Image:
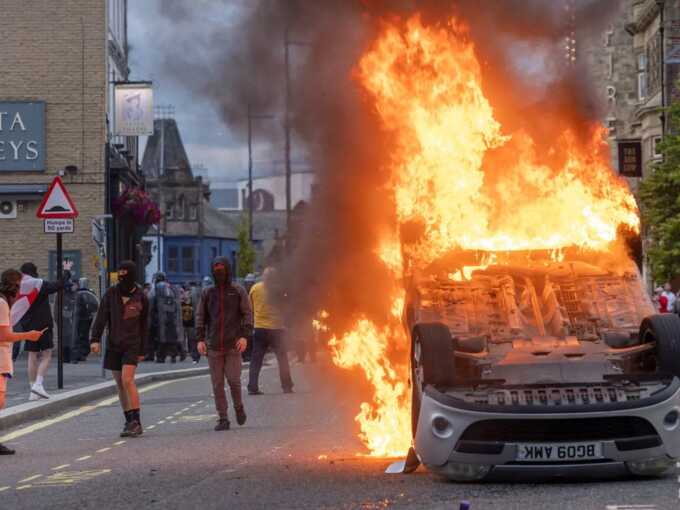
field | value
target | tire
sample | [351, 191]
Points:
[436, 353]
[664, 329]
[431, 363]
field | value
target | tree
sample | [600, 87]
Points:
[246, 256]
[660, 201]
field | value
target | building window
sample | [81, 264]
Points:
[187, 259]
[642, 77]
[193, 213]
[169, 211]
[656, 153]
[180, 208]
[173, 259]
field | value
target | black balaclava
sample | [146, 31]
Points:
[30, 269]
[221, 270]
[128, 282]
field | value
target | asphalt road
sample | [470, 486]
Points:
[77, 460]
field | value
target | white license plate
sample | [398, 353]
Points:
[558, 452]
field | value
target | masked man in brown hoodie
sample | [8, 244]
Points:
[124, 311]
[223, 323]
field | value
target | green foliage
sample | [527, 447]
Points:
[660, 200]
[246, 256]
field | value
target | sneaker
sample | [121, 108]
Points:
[6, 451]
[241, 415]
[223, 424]
[135, 429]
[126, 430]
[39, 390]
[33, 397]
[194, 362]
[255, 392]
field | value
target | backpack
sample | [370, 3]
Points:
[187, 312]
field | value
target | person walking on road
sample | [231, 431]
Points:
[269, 332]
[167, 331]
[223, 323]
[32, 311]
[9, 288]
[124, 311]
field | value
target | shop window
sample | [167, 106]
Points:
[173, 259]
[188, 261]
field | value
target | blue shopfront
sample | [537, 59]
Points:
[187, 259]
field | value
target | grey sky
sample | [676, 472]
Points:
[153, 39]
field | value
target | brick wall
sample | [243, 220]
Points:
[55, 51]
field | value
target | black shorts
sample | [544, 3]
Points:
[114, 360]
[46, 342]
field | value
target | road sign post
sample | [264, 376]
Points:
[58, 212]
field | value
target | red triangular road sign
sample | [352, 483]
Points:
[57, 202]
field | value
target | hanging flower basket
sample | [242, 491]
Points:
[135, 206]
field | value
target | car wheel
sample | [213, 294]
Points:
[664, 329]
[433, 354]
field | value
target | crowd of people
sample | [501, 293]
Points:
[665, 300]
[223, 320]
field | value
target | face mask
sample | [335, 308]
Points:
[127, 280]
[220, 274]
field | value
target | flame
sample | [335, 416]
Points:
[464, 184]
[385, 421]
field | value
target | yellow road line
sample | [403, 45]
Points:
[151, 427]
[84, 457]
[118, 443]
[29, 479]
[3, 489]
[63, 466]
[77, 412]
[22, 487]
[102, 450]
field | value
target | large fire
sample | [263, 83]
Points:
[460, 182]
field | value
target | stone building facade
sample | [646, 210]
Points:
[64, 55]
[192, 232]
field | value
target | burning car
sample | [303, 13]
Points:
[541, 365]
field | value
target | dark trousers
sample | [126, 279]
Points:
[262, 340]
[225, 365]
[192, 343]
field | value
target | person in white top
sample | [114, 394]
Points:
[9, 287]
[670, 295]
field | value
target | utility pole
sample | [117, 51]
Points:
[161, 171]
[251, 116]
[250, 174]
[286, 124]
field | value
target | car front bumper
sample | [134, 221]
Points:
[442, 422]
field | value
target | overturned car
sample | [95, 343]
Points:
[541, 366]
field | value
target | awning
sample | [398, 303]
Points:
[23, 191]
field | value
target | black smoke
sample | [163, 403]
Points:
[333, 264]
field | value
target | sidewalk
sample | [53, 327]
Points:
[79, 376]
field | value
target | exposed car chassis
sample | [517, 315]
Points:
[557, 367]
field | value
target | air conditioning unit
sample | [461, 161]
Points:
[8, 209]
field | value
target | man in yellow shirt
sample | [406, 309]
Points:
[269, 332]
